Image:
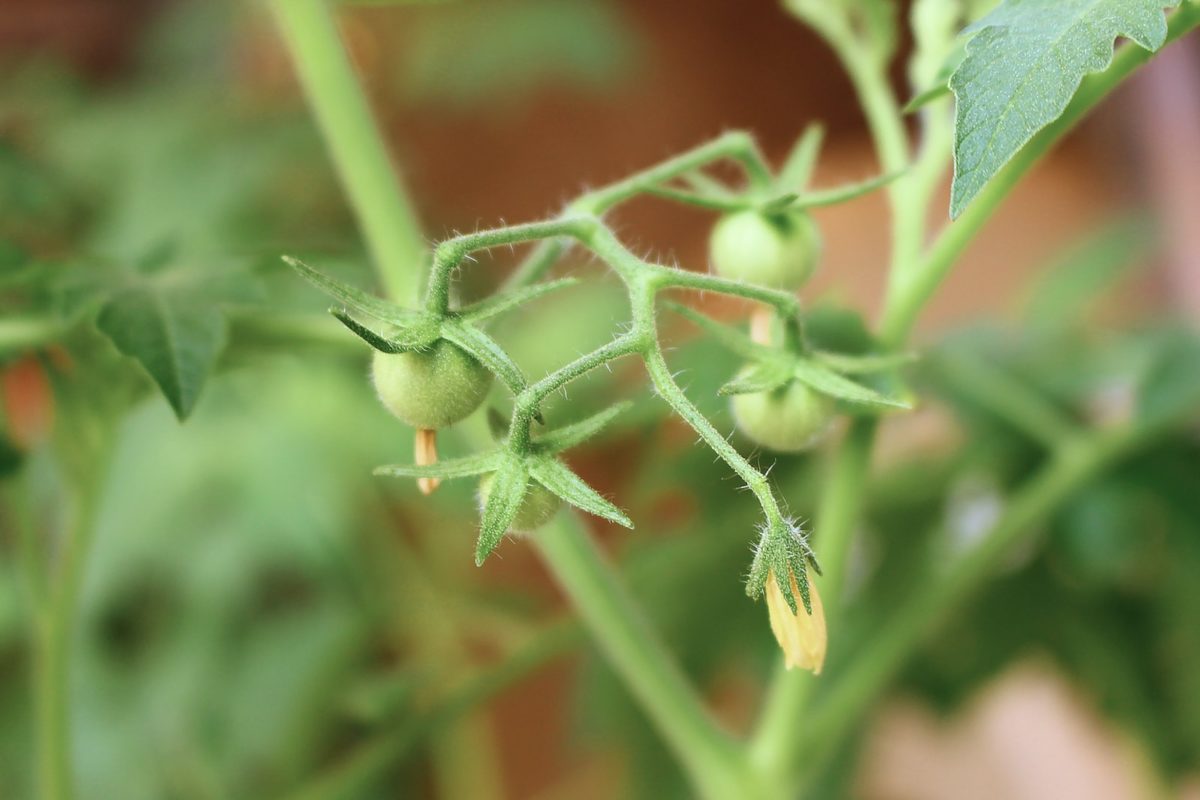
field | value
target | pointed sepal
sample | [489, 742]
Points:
[350, 296]
[559, 479]
[826, 381]
[732, 339]
[782, 550]
[506, 301]
[576, 434]
[765, 376]
[508, 487]
[464, 467]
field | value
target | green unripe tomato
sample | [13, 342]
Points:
[787, 420]
[431, 388]
[537, 507]
[779, 251]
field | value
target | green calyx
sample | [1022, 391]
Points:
[521, 489]
[782, 549]
[538, 505]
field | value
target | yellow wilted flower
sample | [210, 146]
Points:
[801, 635]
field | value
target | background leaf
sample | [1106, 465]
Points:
[175, 338]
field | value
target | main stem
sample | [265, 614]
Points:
[368, 174]
[54, 630]
[710, 758]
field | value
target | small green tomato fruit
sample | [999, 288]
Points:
[787, 420]
[433, 388]
[537, 507]
[778, 251]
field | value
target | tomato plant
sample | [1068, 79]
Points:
[128, 269]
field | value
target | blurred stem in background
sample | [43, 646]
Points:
[370, 177]
[56, 568]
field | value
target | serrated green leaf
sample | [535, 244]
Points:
[826, 381]
[453, 468]
[560, 480]
[489, 353]
[766, 376]
[732, 339]
[351, 297]
[1022, 68]
[503, 502]
[570, 436]
[506, 301]
[172, 334]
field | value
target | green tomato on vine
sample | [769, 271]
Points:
[778, 250]
[430, 389]
[787, 420]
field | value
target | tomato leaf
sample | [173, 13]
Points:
[1022, 68]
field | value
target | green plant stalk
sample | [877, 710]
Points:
[735, 145]
[388, 218]
[1069, 469]
[711, 759]
[368, 174]
[54, 630]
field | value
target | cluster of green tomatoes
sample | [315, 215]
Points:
[435, 388]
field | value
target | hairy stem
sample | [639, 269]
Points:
[735, 145]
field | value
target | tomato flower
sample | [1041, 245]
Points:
[800, 633]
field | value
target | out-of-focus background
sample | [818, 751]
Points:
[261, 614]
